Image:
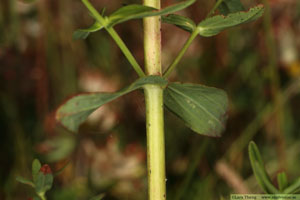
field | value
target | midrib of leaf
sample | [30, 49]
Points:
[210, 99]
[176, 100]
[92, 107]
[204, 109]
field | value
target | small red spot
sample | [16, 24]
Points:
[46, 169]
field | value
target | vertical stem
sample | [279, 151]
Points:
[152, 40]
[154, 107]
[42, 196]
[155, 143]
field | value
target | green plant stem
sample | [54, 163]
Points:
[152, 40]
[116, 38]
[155, 143]
[181, 53]
[154, 107]
[214, 8]
[42, 196]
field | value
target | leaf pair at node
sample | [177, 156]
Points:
[202, 108]
[134, 11]
[232, 10]
[213, 25]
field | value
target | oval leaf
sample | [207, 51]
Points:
[36, 166]
[230, 6]
[43, 183]
[84, 33]
[136, 11]
[214, 25]
[180, 21]
[72, 113]
[202, 108]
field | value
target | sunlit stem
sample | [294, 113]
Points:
[154, 107]
[155, 143]
[42, 196]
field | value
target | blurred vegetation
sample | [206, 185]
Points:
[258, 64]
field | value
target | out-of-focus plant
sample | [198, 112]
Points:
[263, 178]
[42, 179]
[202, 108]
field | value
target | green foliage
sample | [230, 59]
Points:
[214, 25]
[72, 113]
[36, 166]
[230, 6]
[43, 182]
[180, 21]
[264, 180]
[84, 33]
[42, 179]
[203, 115]
[293, 188]
[129, 12]
[282, 181]
[202, 108]
[24, 181]
[260, 173]
[139, 11]
[134, 11]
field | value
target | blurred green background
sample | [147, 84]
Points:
[258, 64]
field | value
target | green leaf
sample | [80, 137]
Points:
[293, 188]
[136, 11]
[180, 21]
[43, 182]
[84, 33]
[282, 181]
[271, 189]
[260, 173]
[202, 108]
[214, 25]
[230, 6]
[72, 113]
[36, 166]
[24, 181]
